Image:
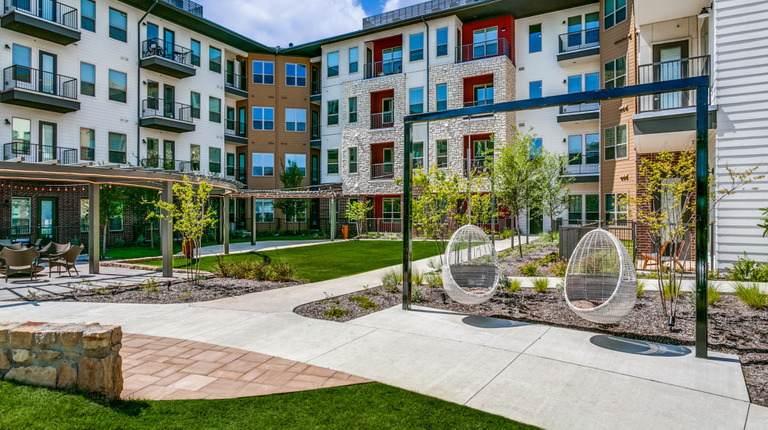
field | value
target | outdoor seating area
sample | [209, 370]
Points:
[18, 259]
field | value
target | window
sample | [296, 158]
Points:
[483, 94]
[392, 61]
[298, 160]
[87, 144]
[118, 84]
[416, 100]
[333, 112]
[264, 210]
[214, 59]
[194, 101]
[534, 38]
[591, 81]
[593, 207]
[214, 109]
[21, 215]
[230, 164]
[116, 148]
[333, 64]
[485, 42]
[263, 164]
[416, 45]
[352, 160]
[442, 96]
[353, 109]
[353, 60]
[263, 118]
[574, 150]
[118, 25]
[88, 15]
[418, 155]
[616, 142]
[442, 42]
[592, 142]
[616, 207]
[84, 211]
[194, 46]
[616, 73]
[442, 154]
[574, 84]
[116, 222]
[315, 125]
[574, 210]
[295, 75]
[535, 147]
[333, 161]
[534, 90]
[194, 157]
[153, 153]
[263, 72]
[214, 160]
[296, 120]
[615, 12]
[390, 209]
[87, 79]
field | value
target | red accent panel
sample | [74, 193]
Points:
[382, 44]
[507, 21]
[377, 97]
[474, 138]
[377, 151]
[469, 84]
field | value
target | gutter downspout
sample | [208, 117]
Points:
[426, 93]
[138, 84]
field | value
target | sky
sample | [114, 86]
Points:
[280, 22]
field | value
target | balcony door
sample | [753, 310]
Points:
[169, 39]
[574, 32]
[241, 121]
[47, 148]
[670, 64]
[153, 97]
[47, 9]
[169, 155]
[169, 99]
[387, 110]
[47, 221]
[21, 137]
[231, 119]
[388, 158]
[47, 73]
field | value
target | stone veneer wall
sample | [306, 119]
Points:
[62, 356]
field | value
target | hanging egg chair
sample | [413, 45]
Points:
[600, 282]
[471, 266]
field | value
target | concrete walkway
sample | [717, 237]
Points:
[551, 377]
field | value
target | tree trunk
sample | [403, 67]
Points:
[104, 241]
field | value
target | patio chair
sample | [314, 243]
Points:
[654, 257]
[683, 252]
[66, 260]
[53, 250]
[18, 246]
[19, 261]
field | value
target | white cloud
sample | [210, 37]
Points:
[280, 22]
[397, 4]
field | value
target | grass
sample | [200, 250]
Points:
[317, 263]
[128, 252]
[540, 285]
[371, 405]
[750, 294]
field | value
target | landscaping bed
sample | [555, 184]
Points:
[537, 260]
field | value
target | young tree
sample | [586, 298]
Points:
[553, 188]
[357, 211]
[111, 200]
[291, 178]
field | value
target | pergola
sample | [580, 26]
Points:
[98, 175]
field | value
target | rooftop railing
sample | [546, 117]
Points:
[187, 6]
[414, 11]
[27, 78]
[48, 10]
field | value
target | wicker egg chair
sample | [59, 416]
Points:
[471, 266]
[600, 282]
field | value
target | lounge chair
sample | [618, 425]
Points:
[66, 260]
[19, 261]
[654, 258]
[53, 250]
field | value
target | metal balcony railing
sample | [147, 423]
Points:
[382, 171]
[383, 68]
[167, 109]
[34, 153]
[236, 81]
[668, 70]
[580, 108]
[477, 164]
[382, 120]
[478, 103]
[169, 51]
[579, 40]
[26, 78]
[581, 169]
[478, 51]
[47, 10]
[234, 128]
[161, 163]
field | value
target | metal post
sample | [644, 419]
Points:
[702, 216]
[407, 221]
[94, 229]
[225, 217]
[332, 215]
[166, 233]
[253, 220]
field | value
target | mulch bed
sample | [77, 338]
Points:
[734, 328]
[165, 292]
[510, 261]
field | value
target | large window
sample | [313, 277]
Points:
[194, 101]
[87, 79]
[574, 150]
[230, 164]
[391, 60]
[353, 60]
[214, 109]
[194, 46]
[534, 90]
[263, 164]
[88, 15]
[333, 161]
[416, 100]
[615, 12]
[416, 45]
[118, 25]
[21, 215]
[442, 97]
[442, 42]
[194, 157]
[352, 160]
[117, 148]
[390, 209]
[592, 148]
[295, 75]
[352, 110]
[483, 94]
[118, 86]
[214, 160]
[87, 144]
[616, 207]
[534, 38]
[263, 118]
[575, 210]
[616, 142]
[615, 73]
[418, 155]
[591, 81]
[298, 160]
[263, 72]
[333, 112]
[442, 154]
[296, 120]
[214, 59]
[264, 210]
[333, 64]
[485, 42]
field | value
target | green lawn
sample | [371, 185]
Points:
[333, 260]
[358, 406]
[128, 252]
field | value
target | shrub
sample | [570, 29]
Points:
[392, 278]
[119, 242]
[530, 269]
[434, 279]
[668, 289]
[713, 293]
[253, 269]
[560, 286]
[418, 294]
[335, 312]
[363, 302]
[505, 234]
[746, 269]
[417, 278]
[640, 287]
[540, 285]
[750, 294]
[549, 258]
[558, 268]
[514, 285]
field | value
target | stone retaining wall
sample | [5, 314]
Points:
[62, 356]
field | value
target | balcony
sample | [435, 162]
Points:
[383, 68]
[235, 85]
[479, 51]
[474, 164]
[579, 112]
[382, 171]
[668, 70]
[170, 165]
[235, 133]
[166, 58]
[34, 153]
[24, 86]
[382, 120]
[52, 21]
[583, 173]
[579, 44]
[167, 116]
